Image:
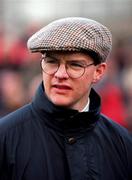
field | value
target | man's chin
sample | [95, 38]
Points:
[62, 104]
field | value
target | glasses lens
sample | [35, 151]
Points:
[49, 65]
[75, 73]
[75, 69]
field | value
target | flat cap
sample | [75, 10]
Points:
[72, 34]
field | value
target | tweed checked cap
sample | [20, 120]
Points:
[72, 34]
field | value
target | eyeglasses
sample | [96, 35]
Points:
[75, 69]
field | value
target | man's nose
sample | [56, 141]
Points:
[61, 72]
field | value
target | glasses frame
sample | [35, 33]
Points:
[83, 66]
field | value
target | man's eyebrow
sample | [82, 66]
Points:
[77, 60]
[48, 55]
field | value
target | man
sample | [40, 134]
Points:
[61, 134]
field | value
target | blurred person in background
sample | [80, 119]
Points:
[61, 134]
[20, 59]
[112, 96]
[126, 78]
[2, 48]
[127, 85]
[115, 88]
[33, 84]
[12, 91]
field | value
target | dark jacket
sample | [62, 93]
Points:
[41, 141]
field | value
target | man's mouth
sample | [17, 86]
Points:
[61, 87]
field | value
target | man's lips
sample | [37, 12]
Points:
[61, 87]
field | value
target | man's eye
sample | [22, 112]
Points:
[76, 64]
[50, 60]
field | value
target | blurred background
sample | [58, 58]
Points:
[20, 71]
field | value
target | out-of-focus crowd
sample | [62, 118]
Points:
[20, 75]
[19, 71]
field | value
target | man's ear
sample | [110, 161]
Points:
[99, 72]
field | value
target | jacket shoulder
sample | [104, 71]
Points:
[115, 134]
[111, 126]
[15, 118]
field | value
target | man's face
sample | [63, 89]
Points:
[66, 91]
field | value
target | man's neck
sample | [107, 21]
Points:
[86, 108]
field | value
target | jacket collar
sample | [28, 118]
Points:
[63, 119]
